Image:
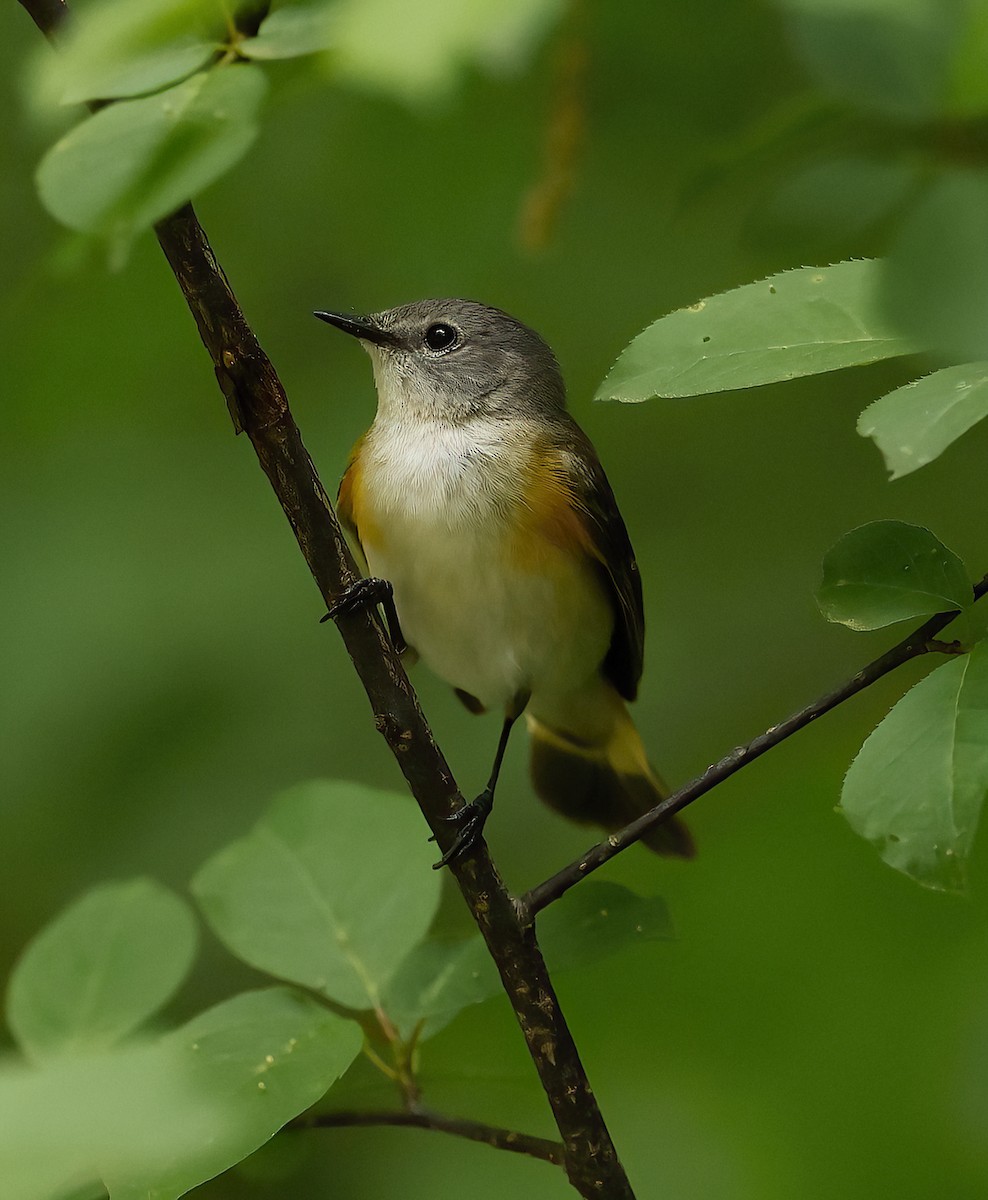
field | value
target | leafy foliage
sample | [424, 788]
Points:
[439, 979]
[115, 48]
[917, 786]
[132, 163]
[914, 789]
[915, 424]
[88, 979]
[345, 869]
[935, 282]
[162, 1116]
[332, 889]
[889, 571]
[127, 166]
[909, 59]
[291, 32]
[800, 322]
[329, 890]
[418, 51]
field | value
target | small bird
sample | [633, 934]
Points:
[493, 541]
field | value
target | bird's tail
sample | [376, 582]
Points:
[605, 781]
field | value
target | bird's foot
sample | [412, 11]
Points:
[470, 821]
[363, 593]
[368, 592]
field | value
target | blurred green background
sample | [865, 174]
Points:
[820, 1027]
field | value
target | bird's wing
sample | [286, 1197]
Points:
[606, 540]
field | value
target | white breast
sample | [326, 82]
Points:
[444, 498]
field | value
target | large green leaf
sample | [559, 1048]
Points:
[911, 59]
[118, 48]
[418, 50]
[134, 162]
[917, 785]
[439, 979]
[292, 31]
[154, 1121]
[101, 968]
[888, 571]
[801, 322]
[331, 889]
[915, 424]
[935, 281]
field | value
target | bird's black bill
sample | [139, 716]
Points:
[359, 327]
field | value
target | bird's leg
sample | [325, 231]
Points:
[366, 593]
[472, 817]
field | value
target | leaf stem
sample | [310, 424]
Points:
[920, 641]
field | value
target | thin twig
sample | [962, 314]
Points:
[259, 407]
[491, 1135]
[920, 641]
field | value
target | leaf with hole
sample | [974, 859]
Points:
[888, 571]
[331, 889]
[101, 968]
[918, 783]
[915, 424]
[801, 322]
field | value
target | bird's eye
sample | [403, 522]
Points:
[440, 336]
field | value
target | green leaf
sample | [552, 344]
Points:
[331, 889]
[101, 968]
[156, 1120]
[134, 162]
[418, 51]
[596, 920]
[291, 32]
[935, 282]
[844, 195]
[967, 83]
[439, 979]
[801, 322]
[915, 424]
[901, 58]
[116, 48]
[917, 785]
[889, 571]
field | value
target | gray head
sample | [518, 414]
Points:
[455, 359]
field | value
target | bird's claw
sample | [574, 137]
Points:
[470, 821]
[368, 592]
[362, 593]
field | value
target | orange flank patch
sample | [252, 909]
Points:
[550, 519]
[351, 502]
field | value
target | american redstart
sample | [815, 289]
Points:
[493, 539]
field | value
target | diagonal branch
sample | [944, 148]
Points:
[475, 1131]
[920, 641]
[257, 402]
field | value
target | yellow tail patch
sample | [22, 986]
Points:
[608, 784]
